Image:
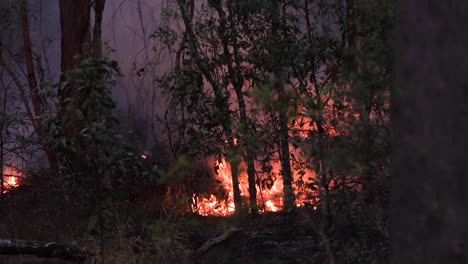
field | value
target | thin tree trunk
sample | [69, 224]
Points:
[28, 60]
[220, 102]
[235, 73]
[97, 38]
[286, 172]
[2, 127]
[363, 96]
[36, 115]
[29, 112]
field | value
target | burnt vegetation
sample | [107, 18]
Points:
[261, 134]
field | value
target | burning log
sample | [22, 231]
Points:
[216, 241]
[41, 249]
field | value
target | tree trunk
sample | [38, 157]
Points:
[36, 116]
[28, 60]
[429, 120]
[97, 38]
[235, 74]
[363, 97]
[286, 172]
[75, 24]
[220, 102]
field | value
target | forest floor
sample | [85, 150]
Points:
[135, 236]
[267, 238]
[289, 239]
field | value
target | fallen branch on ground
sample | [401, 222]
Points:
[215, 241]
[40, 249]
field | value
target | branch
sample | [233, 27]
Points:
[22, 94]
[215, 241]
[28, 59]
[41, 249]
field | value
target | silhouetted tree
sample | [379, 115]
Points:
[429, 161]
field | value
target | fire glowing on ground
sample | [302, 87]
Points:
[269, 189]
[11, 178]
[268, 198]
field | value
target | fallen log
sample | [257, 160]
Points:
[41, 249]
[215, 241]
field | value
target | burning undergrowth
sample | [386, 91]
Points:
[208, 187]
[209, 190]
[11, 179]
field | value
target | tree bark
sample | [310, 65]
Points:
[97, 38]
[233, 65]
[28, 60]
[36, 115]
[75, 24]
[429, 121]
[286, 172]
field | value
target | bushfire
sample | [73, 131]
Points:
[269, 198]
[10, 178]
[270, 190]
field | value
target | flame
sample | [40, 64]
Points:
[269, 198]
[10, 178]
[212, 205]
[270, 192]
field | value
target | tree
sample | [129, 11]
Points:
[220, 100]
[75, 25]
[33, 104]
[429, 217]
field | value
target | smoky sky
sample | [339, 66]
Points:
[126, 30]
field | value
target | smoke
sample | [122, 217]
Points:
[126, 30]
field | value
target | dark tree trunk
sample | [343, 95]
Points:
[97, 39]
[75, 24]
[286, 172]
[363, 96]
[430, 128]
[36, 116]
[233, 65]
[220, 102]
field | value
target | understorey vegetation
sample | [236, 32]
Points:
[272, 146]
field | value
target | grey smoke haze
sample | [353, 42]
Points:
[127, 27]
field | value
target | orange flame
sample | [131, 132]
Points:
[269, 198]
[10, 178]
